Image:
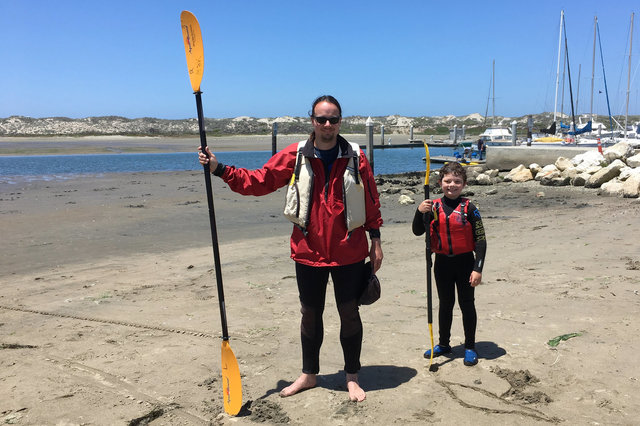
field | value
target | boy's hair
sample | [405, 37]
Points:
[453, 168]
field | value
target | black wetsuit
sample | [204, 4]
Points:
[453, 272]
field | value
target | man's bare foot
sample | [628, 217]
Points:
[305, 381]
[356, 393]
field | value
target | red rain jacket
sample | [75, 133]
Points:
[327, 242]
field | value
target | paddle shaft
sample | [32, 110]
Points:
[212, 219]
[428, 256]
[427, 228]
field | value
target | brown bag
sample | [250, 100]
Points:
[371, 285]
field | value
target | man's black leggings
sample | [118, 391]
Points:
[347, 287]
[453, 273]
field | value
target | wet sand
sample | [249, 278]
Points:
[109, 310]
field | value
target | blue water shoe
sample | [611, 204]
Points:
[470, 357]
[437, 351]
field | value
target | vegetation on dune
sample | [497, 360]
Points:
[393, 124]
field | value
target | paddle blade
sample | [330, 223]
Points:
[428, 163]
[231, 384]
[193, 48]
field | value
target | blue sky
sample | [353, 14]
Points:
[272, 58]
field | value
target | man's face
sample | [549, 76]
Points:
[326, 111]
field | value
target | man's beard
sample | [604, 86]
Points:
[326, 137]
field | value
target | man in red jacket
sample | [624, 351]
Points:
[324, 242]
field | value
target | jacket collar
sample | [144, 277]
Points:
[346, 151]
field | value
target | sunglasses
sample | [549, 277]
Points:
[323, 120]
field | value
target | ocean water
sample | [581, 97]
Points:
[53, 167]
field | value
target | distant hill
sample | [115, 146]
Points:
[393, 124]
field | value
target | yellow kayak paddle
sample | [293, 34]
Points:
[231, 384]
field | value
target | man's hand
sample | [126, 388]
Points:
[375, 254]
[207, 157]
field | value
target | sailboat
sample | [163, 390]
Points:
[566, 133]
[552, 130]
[613, 136]
[572, 130]
[629, 131]
[495, 135]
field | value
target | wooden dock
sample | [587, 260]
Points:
[418, 144]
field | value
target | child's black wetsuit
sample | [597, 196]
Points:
[453, 272]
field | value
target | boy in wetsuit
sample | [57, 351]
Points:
[456, 232]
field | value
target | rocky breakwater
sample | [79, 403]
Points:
[615, 172]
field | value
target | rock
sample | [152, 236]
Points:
[618, 151]
[631, 187]
[523, 175]
[540, 194]
[492, 173]
[492, 191]
[589, 159]
[563, 163]
[604, 175]
[570, 172]
[626, 172]
[519, 174]
[407, 191]
[546, 171]
[475, 170]
[555, 179]
[535, 168]
[405, 200]
[588, 169]
[580, 179]
[612, 188]
[484, 179]
[545, 177]
[633, 161]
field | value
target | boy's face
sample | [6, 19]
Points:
[452, 185]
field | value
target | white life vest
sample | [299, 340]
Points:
[298, 198]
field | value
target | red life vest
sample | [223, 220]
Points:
[451, 234]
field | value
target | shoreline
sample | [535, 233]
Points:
[62, 145]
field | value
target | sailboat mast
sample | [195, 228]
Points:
[578, 89]
[486, 109]
[493, 85]
[555, 104]
[626, 114]
[604, 76]
[564, 77]
[593, 65]
[566, 51]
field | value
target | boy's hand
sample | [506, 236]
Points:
[425, 206]
[475, 279]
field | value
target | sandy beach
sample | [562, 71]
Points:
[109, 312]
[116, 144]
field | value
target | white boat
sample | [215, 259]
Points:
[496, 136]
